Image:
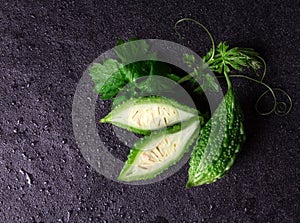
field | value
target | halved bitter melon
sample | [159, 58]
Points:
[219, 142]
[157, 152]
[145, 114]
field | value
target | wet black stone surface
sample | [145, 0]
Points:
[46, 46]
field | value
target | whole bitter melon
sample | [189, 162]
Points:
[218, 143]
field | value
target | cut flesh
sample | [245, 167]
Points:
[157, 152]
[149, 114]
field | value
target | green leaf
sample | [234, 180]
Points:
[199, 76]
[209, 83]
[160, 68]
[189, 60]
[226, 60]
[109, 77]
[208, 55]
[132, 50]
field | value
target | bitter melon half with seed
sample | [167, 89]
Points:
[157, 152]
[145, 114]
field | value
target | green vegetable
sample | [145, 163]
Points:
[173, 126]
[111, 76]
[145, 114]
[221, 137]
[219, 141]
[157, 152]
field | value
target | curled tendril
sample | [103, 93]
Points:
[203, 27]
[279, 108]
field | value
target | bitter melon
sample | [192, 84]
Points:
[157, 152]
[219, 141]
[145, 114]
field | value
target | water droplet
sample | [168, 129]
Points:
[47, 126]
[34, 123]
[49, 87]
[24, 155]
[28, 176]
[33, 143]
[15, 130]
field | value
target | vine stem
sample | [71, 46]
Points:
[203, 27]
[228, 80]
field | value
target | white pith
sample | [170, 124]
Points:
[161, 152]
[151, 116]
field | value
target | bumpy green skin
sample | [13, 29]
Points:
[145, 100]
[219, 142]
[141, 144]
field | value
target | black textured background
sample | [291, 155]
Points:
[46, 46]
